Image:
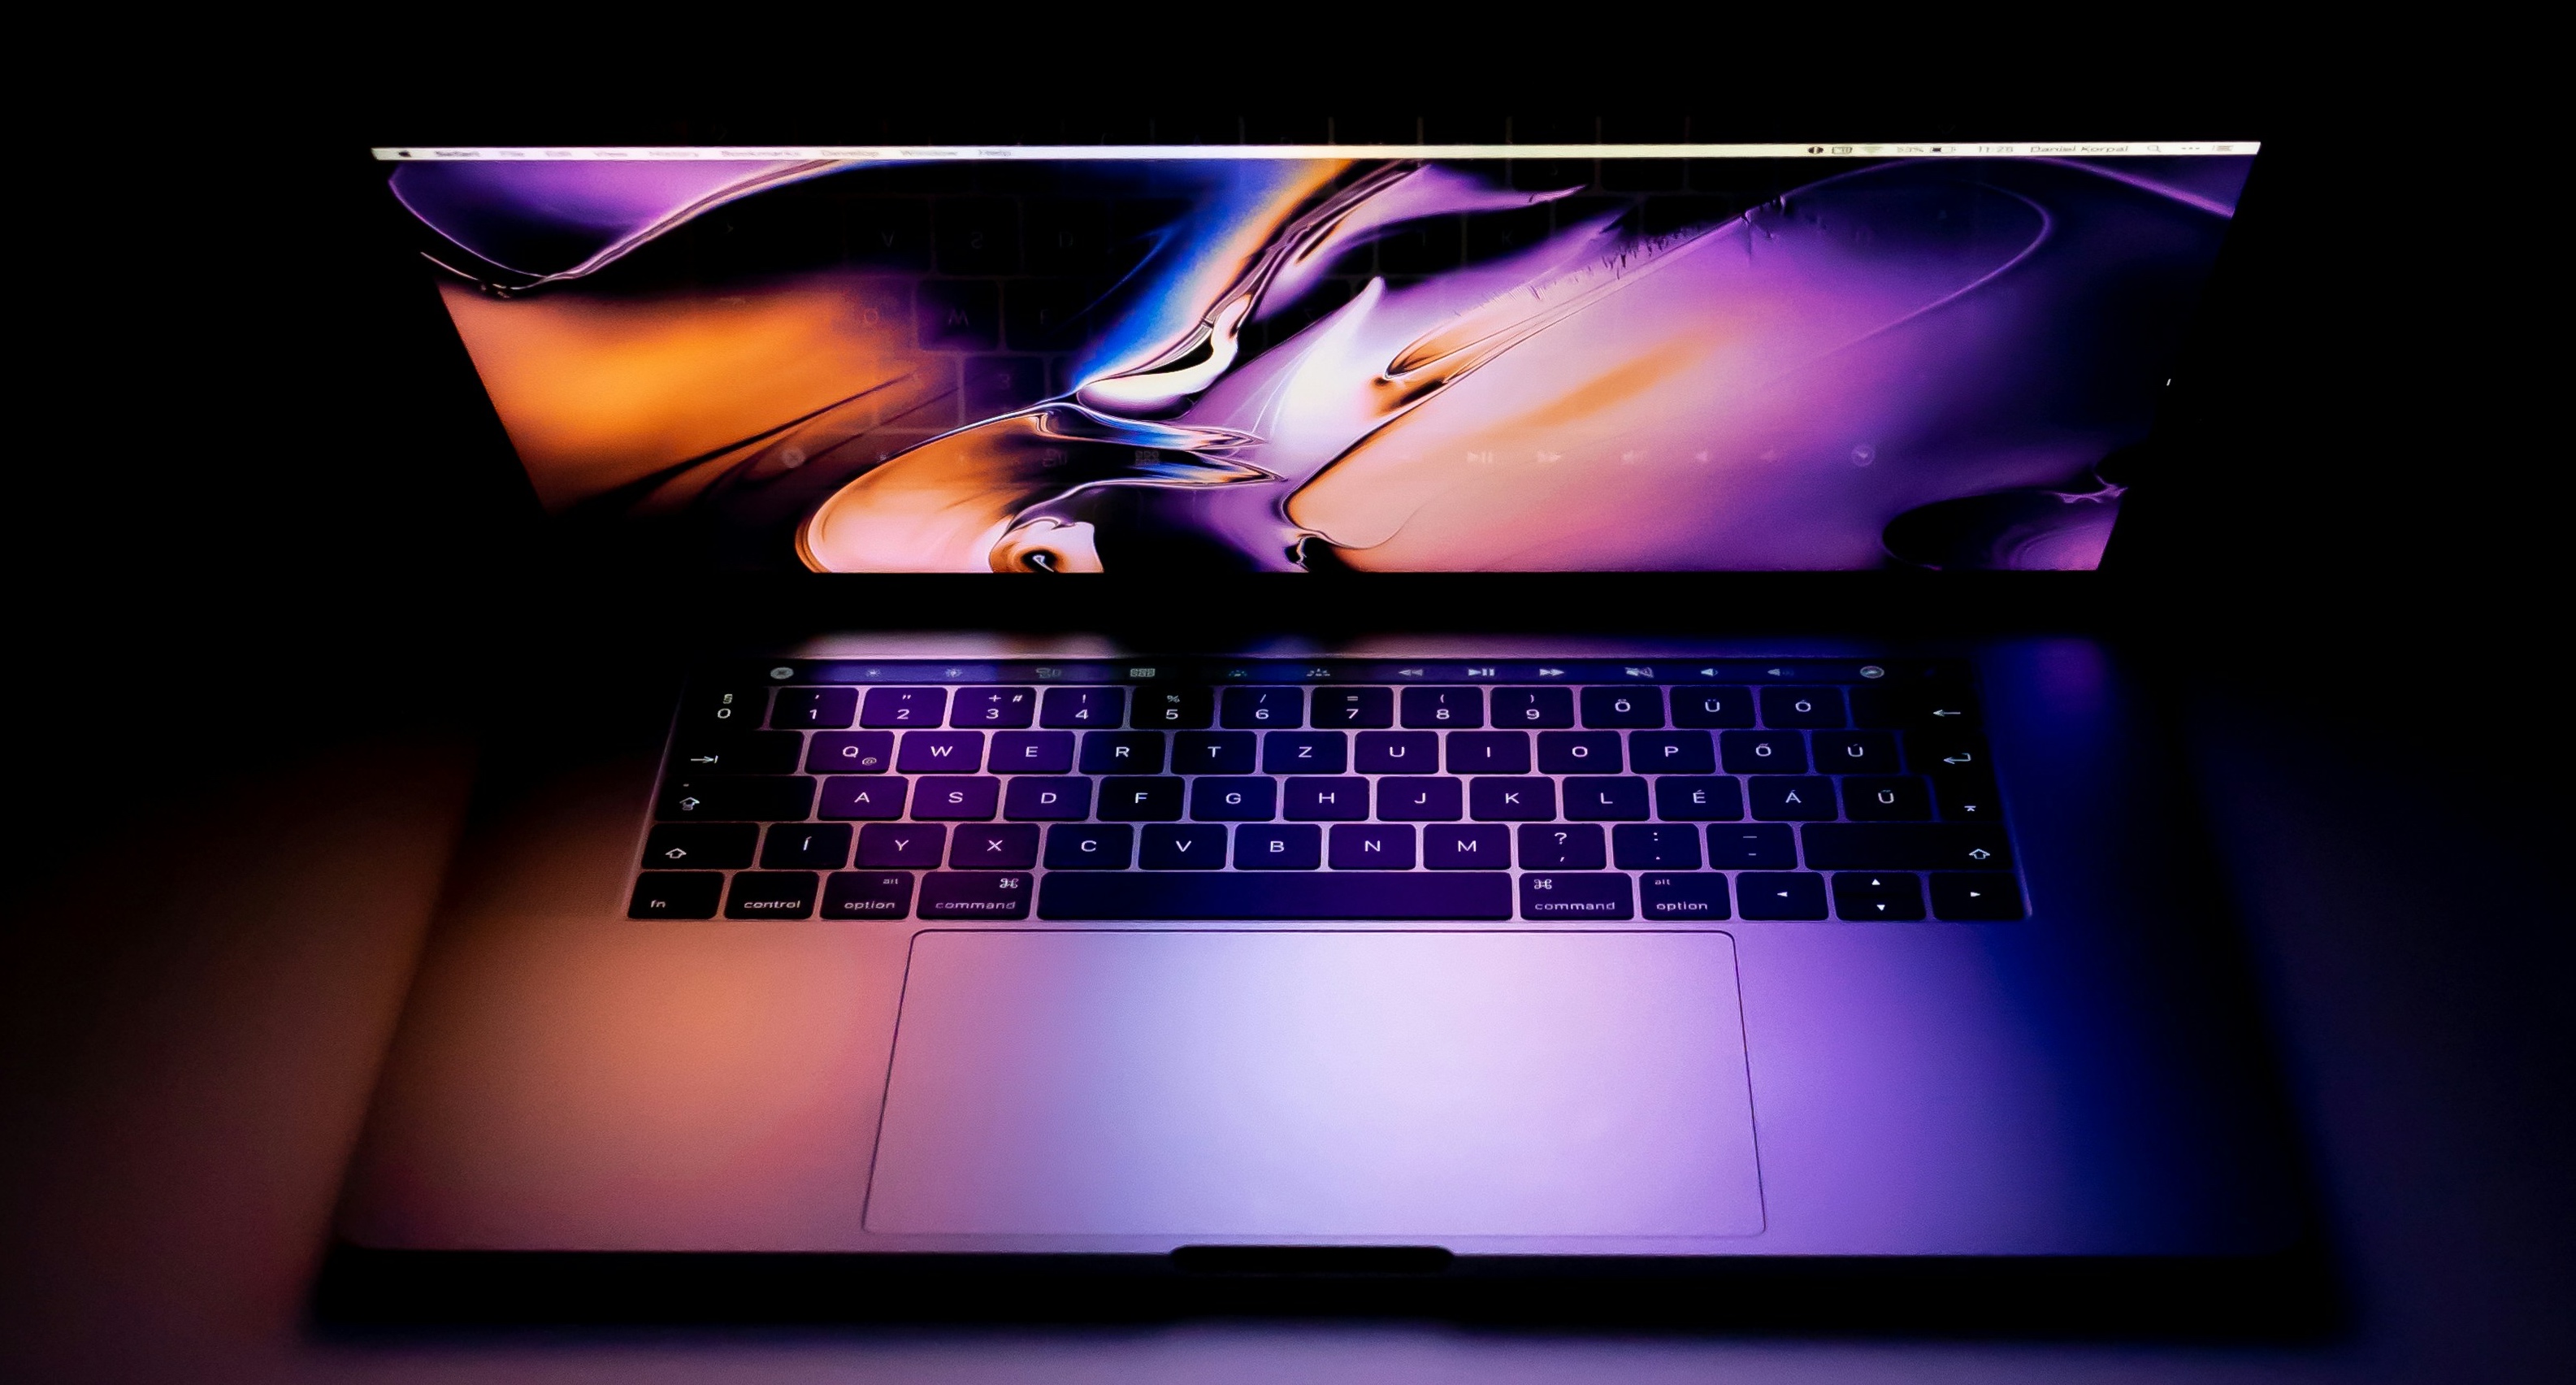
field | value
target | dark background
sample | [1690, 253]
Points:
[272, 573]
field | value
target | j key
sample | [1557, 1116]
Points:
[1871, 895]
[1578, 752]
[741, 752]
[1327, 800]
[1372, 846]
[1289, 846]
[1671, 752]
[1856, 752]
[1092, 846]
[1047, 799]
[1085, 709]
[806, 846]
[1637, 846]
[1170, 846]
[1534, 709]
[1140, 800]
[850, 752]
[1713, 799]
[700, 846]
[1226, 799]
[1032, 752]
[1760, 895]
[1487, 752]
[1122, 752]
[1354, 709]
[1946, 752]
[1191, 896]
[1602, 897]
[1907, 846]
[955, 796]
[1696, 896]
[1605, 800]
[868, 894]
[974, 894]
[1396, 752]
[914, 844]
[1487, 847]
[814, 709]
[1213, 752]
[1264, 709]
[1623, 708]
[994, 709]
[1763, 752]
[1304, 752]
[663, 894]
[1753, 846]
[1410, 798]
[723, 709]
[1869, 798]
[1511, 800]
[1562, 846]
[907, 707]
[1175, 709]
[765, 798]
[1805, 707]
[1002, 846]
[1791, 797]
[941, 752]
[1976, 897]
[758, 894]
[1444, 709]
[1967, 796]
[852, 797]
[1713, 707]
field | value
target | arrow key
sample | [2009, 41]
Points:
[1862, 895]
[700, 846]
[1976, 896]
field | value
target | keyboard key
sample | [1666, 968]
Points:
[1264, 709]
[1487, 752]
[974, 894]
[993, 709]
[1413, 799]
[846, 796]
[1175, 709]
[736, 708]
[1697, 896]
[1140, 800]
[867, 894]
[1372, 846]
[673, 894]
[1122, 752]
[1032, 752]
[849, 752]
[1605, 800]
[917, 845]
[1396, 752]
[1562, 846]
[700, 846]
[761, 894]
[1037, 799]
[1899, 798]
[1534, 709]
[1085, 709]
[1760, 895]
[941, 752]
[1931, 704]
[1467, 848]
[1225, 799]
[1976, 897]
[1289, 846]
[1623, 708]
[952, 797]
[1637, 846]
[1802, 707]
[1213, 752]
[1946, 752]
[1444, 709]
[806, 846]
[1967, 796]
[741, 752]
[1327, 800]
[1325, 895]
[1715, 799]
[814, 709]
[1091, 846]
[1304, 752]
[1711, 707]
[1671, 752]
[1602, 897]
[1763, 752]
[1907, 846]
[1354, 709]
[1511, 800]
[1579, 752]
[1860, 895]
[1857, 752]
[1170, 846]
[1755, 846]
[763, 798]
[1791, 797]
[1003, 846]
[907, 707]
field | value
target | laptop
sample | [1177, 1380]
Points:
[1632, 790]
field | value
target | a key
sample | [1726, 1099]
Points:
[1802, 707]
[1487, 752]
[1795, 895]
[1122, 752]
[1264, 709]
[675, 894]
[1763, 752]
[740, 752]
[1175, 709]
[909, 708]
[1578, 752]
[1179, 846]
[1623, 708]
[1621, 799]
[1083, 709]
[1856, 752]
[1326, 800]
[1468, 847]
[1047, 799]
[1494, 799]
[848, 796]
[1408, 798]
[1284, 846]
[762, 894]
[1214, 752]
[941, 752]
[1396, 752]
[1891, 798]
[1304, 752]
[806, 846]
[700, 846]
[868, 894]
[1354, 709]
[917, 845]
[1976, 897]
[996, 846]
[1715, 798]
[1713, 707]
[1090, 846]
[1140, 800]
[1230, 799]
[1138, 896]
[1372, 846]
[762, 798]
[1032, 752]
[1642, 846]
[1562, 846]
[1700, 895]
[1906, 846]
[1791, 797]
[1534, 709]
[975, 894]
[1753, 846]
[849, 752]
[993, 709]
[1558, 897]
[1861, 895]
[1444, 709]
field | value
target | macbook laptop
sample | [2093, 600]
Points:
[1610, 812]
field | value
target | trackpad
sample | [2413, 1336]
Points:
[1318, 1084]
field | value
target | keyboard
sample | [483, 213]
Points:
[1189, 790]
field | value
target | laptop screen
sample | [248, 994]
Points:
[1432, 358]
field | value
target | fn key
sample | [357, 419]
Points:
[676, 894]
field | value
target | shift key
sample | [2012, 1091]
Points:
[1906, 846]
[743, 798]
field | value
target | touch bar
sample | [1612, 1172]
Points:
[1153, 896]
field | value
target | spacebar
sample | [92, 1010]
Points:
[1146, 896]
